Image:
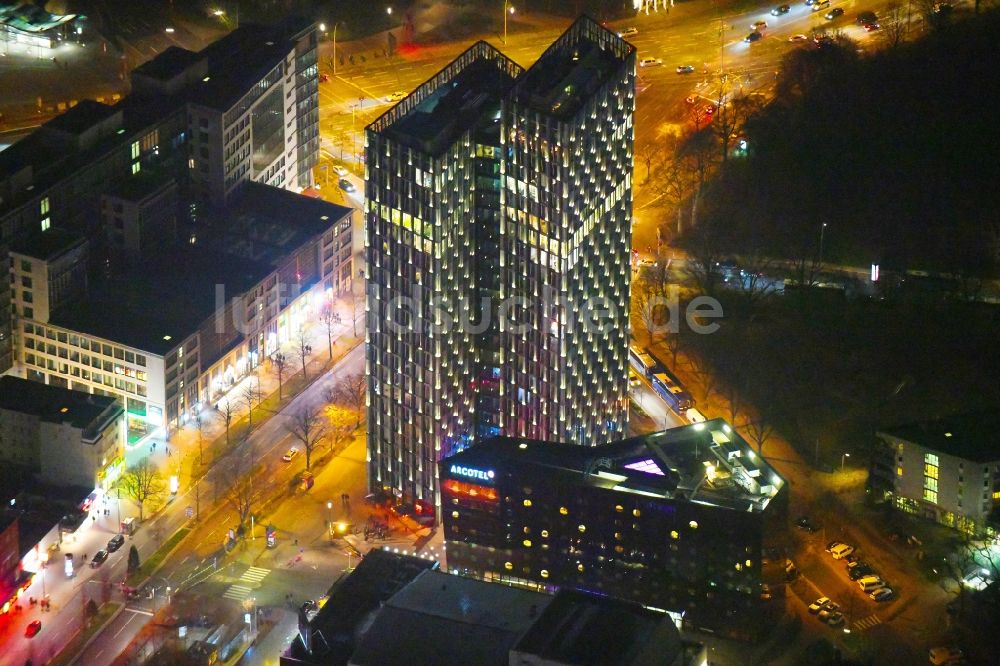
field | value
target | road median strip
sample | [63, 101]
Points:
[156, 560]
[106, 614]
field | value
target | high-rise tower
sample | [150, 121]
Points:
[498, 216]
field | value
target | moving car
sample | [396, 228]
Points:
[798, 38]
[323, 78]
[817, 5]
[685, 69]
[780, 9]
[871, 27]
[753, 37]
[759, 25]
[396, 96]
[650, 62]
[340, 170]
[33, 628]
[290, 454]
[634, 381]
[818, 605]
[866, 17]
[115, 542]
[628, 32]
[691, 99]
[834, 13]
[346, 185]
[99, 558]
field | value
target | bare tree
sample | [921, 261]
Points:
[351, 391]
[759, 430]
[302, 348]
[142, 483]
[894, 25]
[279, 364]
[309, 427]
[330, 319]
[340, 429]
[199, 423]
[237, 479]
[644, 305]
[250, 395]
[227, 418]
[671, 180]
[358, 301]
[647, 153]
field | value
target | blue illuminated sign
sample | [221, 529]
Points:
[473, 473]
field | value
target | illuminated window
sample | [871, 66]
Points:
[899, 471]
[674, 534]
[636, 513]
[564, 511]
[739, 567]
[618, 535]
[545, 573]
[619, 549]
[582, 528]
[527, 502]
[619, 508]
[454, 514]
[693, 524]
[579, 568]
[930, 495]
[526, 530]
[46, 223]
[508, 566]
[527, 543]
[748, 563]
[545, 534]
[43, 208]
[996, 494]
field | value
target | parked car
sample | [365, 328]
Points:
[882, 594]
[943, 655]
[780, 9]
[841, 551]
[753, 37]
[99, 558]
[834, 13]
[866, 17]
[340, 170]
[650, 62]
[860, 571]
[626, 32]
[396, 96]
[290, 454]
[693, 415]
[835, 619]
[32, 629]
[685, 69]
[833, 544]
[116, 542]
[818, 605]
[805, 524]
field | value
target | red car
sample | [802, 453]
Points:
[323, 78]
[32, 628]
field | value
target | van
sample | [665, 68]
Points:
[840, 551]
[694, 416]
[869, 583]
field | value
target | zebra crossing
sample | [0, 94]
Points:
[253, 576]
[867, 623]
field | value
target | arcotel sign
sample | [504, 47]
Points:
[473, 473]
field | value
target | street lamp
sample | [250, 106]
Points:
[507, 9]
[388, 10]
[323, 28]
[822, 234]
[842, 458]
[329, 517]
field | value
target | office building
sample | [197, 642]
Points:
[67, 438]
[245, 109]
[164, 341]
[946, 470]
[498, 221]
[676, 520]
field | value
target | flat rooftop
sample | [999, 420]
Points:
[160, 302]
[973, 436]
[577, 64]
[586, 629]
[708, 463]
[52, 404]
[445, 619]
[139, 186]
[47, 245]
[453, 101]
[168, 64]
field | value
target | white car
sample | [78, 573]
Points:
[841, 551]
[694, 416]
[650, 62]
[290, 454]
[628, 32]
[340, 170]
[396, 96]
[818, 605]
[798, 38]
[759, 25]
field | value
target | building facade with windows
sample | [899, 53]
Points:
[69, 438]
[946, 470]
[498, 217]
[165, 342]
[677, 520]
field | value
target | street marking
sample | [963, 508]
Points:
[237, 592]
[255, 574]
[139, 611]
[867, 623]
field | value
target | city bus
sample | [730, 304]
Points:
[672, 393]
[644, 364]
